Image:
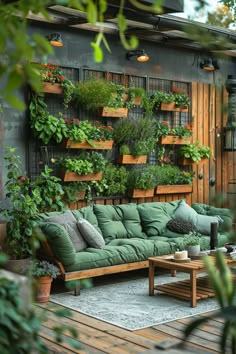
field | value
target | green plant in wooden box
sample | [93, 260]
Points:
[45, 126]
[96, 93]
[86, 162]
[195, 152]
[136, 134]
[72, 190]
[171, 175]
[141, 178]
[54, 74]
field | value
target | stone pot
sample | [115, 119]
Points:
[193, 250]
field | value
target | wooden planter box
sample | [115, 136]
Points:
[141, 193]
[171, 107]
[97, 145]
[73, 176]
[174, 189]
[171, 139]
[113, 112]
[133, 160]
[48, 87]
[185, 162]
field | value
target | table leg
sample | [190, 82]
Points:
[151, 278]
[193, 284]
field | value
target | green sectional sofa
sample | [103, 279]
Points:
[104, 239]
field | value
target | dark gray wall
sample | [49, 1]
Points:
[168, 63]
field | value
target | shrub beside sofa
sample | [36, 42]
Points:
[117, 238]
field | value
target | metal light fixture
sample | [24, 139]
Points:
[55, 39]
[209, 64]
[230, 129]
[139, 54]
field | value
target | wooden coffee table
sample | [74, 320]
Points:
[193, 288]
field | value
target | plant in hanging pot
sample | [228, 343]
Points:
[141, 183]
[194, 153]
[95, 94]
[136, 135]
[54, 74]
[43, 272]
[23, 199]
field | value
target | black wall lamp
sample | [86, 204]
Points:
[139, 54]
[230, 129]
[209, 64]
[55, 39]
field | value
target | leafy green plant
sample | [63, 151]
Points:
[135, 92]
[137, 134]
[141, 179]
[54, 74]
[195, 151]
[71, 191]
[95, 93]
[86, 162]
[170, 175]
[42, 268]
[221, 279]
[192, 238]
[182, 131]
[45, 126]
[24, 200]
[50, 190]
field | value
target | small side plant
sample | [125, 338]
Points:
[192, 238]
[43, 268]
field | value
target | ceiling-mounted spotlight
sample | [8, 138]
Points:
[55, 39]
[139, 54]
[209, 64]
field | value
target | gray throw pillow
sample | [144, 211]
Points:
[90, 234]
[201, 222]
[69, 222]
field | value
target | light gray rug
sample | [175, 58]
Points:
[128, 305]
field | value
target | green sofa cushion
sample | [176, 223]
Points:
[119, 251]
[154, 216]
[224, 213]
[59, 242]
[131, 220]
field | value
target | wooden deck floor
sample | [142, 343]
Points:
[99, 337]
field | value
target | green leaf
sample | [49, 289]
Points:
[98, 53]
[15, 102]
[15, 80]
[91, 12]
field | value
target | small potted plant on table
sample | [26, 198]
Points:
[192, 243]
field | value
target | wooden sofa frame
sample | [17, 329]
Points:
[89, 273]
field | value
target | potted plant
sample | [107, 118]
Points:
[86, 167]
[87, 135]
[74, 191]
[23, 199]
[45, 126]
[43, 272]
[167, 135]
[195, 152]
[136, 96]
[103, 96]
[192, 243]
[53, 75]
[141, 183]
[136, 138]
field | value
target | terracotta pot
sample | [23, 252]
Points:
[43, 288]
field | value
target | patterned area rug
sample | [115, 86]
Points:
[128, 305]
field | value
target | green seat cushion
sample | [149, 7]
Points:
[154, 216]
[59, 241]
[224, 213]
[119, 251]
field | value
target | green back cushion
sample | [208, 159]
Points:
[224, 213]
[154, 216]
[59, 242]
[88, 214]
[131, 220]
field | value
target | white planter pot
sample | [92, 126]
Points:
[193, 250]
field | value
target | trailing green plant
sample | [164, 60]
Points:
[141, 178]
[43, 268]
[23, 201]
[221, 279]
[50, 190]
[45, 126]
[54, 74]
[137, 134]
[195, 151]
